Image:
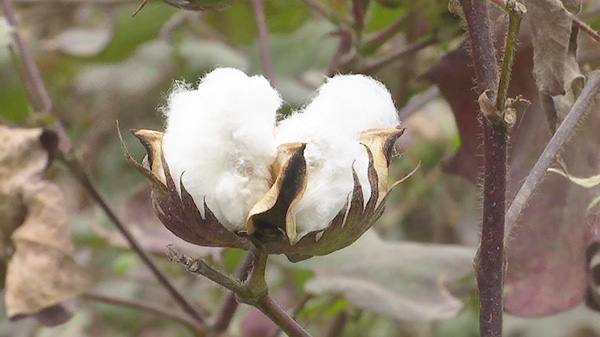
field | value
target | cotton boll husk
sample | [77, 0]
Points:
[219, 139]
[331, 125]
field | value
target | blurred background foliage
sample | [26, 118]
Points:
[100, 65]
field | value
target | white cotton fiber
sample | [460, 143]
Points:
[331, 125]
[220, 136]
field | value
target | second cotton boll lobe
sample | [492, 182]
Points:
[331, 125]
[219, 140]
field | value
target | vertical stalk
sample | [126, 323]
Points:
[263, 38]
[490, 260]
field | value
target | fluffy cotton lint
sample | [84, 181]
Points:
[219, 139]
[331, 125]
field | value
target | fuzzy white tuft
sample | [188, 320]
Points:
[331, 125]
[220, 140]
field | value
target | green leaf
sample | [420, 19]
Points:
[123, 263]
[131, 32]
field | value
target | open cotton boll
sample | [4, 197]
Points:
[331, 125]
[353, 103]
[220, 137]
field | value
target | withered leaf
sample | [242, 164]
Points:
[546, 270]
[41, 271]
[550, 25]
[400, 280]
[555, 67]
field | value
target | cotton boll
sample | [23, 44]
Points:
[219, 140]
[353, 103]
[331, 125]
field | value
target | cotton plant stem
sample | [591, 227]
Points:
[230, 304]
[403, 52]
[296, 311]
[490, 260]
[37, 92]
[509, 55]
[417, 102]
[197, 328]
[336, 328]
[34, 83]
[328, 13]
[84, 179]
[377, 39]
[286, 323]
[263, 38]
[199, 267]
[399, 54]
[586, 28]
[560, 137]
[252, 292]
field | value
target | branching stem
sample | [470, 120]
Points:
[230, 304]
[198, 329]
[490, 260]
[560, 137]
[252, 292]
[43, 104]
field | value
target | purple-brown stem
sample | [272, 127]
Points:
[184, 319]
[281, 318]
[489, 264]
[230, 304]
[586, 28]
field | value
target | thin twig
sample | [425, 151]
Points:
[328, 13]
[417, 102]
[296, 311]
[31, 76]
[359, 8]
[199, 267]
[230, 304]
[252, 292]
[85, 180]
[263, 38]
[30, 69]
[198, 329]
[336, 328]
[403, 52]
[509, 54]
[399, 54]
[281, 318]
[562, 134]
[382, 36]
[489, 263]
[585, 27]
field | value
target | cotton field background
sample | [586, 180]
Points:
[82, 251]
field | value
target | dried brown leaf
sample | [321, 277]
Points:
[551, 31]
[41, 271]
[546, 270]
[555, 67]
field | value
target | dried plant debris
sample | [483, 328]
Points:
[35, 244]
